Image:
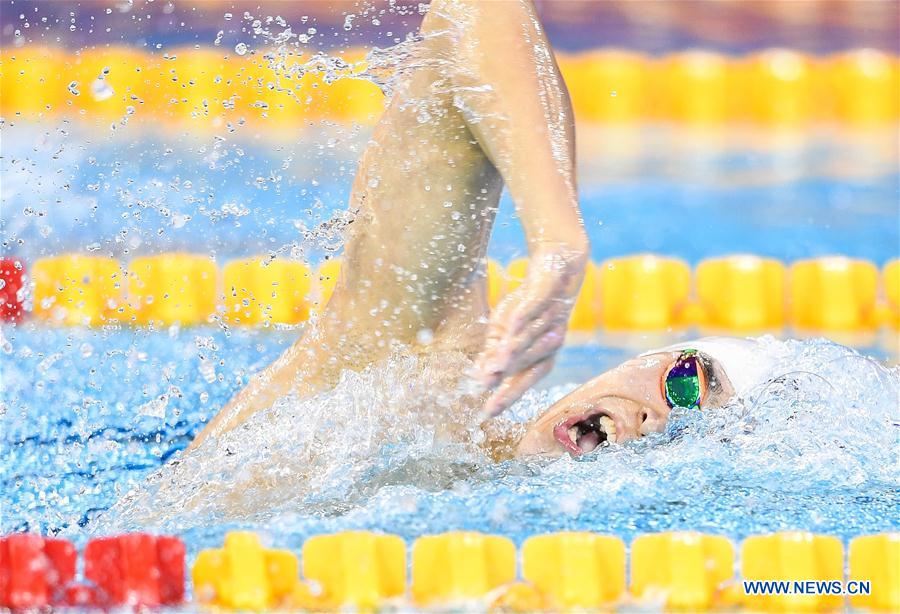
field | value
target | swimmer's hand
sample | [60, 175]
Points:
[529, 326]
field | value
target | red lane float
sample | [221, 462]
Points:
[34, 571]
[11, 272]
[136, 569]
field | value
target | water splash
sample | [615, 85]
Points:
[824, 422]
[394, 422]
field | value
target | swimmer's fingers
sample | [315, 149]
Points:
[514, 387]
[546, 344]
[509, 350]
[532, 300]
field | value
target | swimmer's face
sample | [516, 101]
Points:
[630, 401]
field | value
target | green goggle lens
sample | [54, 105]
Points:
[682, 384]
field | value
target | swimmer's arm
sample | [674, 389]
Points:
[516, 104]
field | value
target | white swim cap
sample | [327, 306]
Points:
[743, 359]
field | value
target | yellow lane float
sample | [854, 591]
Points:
[458, 567]
[608, 85]
[780, 87]
[696, 87]
[516, 272]
[864, 85]
[356, 569]
[243, 575]
[75, 290]
[575, 570]
[34, 81]
[833, 294]
[210, 85]
[496, 282]
[685, 571]
[173, 288]
[678, 571]
[741, 293]
[271, 89]
[876, 559]
[891, 278]
[329, 274]
[792, 556]
[114, 83]
[586, 312]
[262, 290]
[643, 292]
[351, 97]
[202, 85]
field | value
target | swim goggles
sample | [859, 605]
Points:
[684, 381]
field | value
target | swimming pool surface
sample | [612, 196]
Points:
[89, 414]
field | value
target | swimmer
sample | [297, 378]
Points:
[481, 104]
[635, 398]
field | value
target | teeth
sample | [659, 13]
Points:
[609, 427]
[573, 434]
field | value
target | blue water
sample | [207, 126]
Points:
[89, 415]
[98, 192]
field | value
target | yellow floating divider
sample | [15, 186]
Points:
[608, 85]
[172, 288]
[76, 290]
[243, 575]
[329, 274]
[459, 566]
[202, 84]
[575, 570]
[356, 569]
[32, 81]
[696, 87]
[876, 559]
[780, 87]
[775, 86]
[685, 570]
[892, 290]
[496, 282]
[792, 556]
[113, 82]
[864, 85]
[834, 294]
[350, 98]
[266, 290]
[274, 92]
[565, 571]
[643, 292]
[516, 272]
[742, 293]
[586, 311]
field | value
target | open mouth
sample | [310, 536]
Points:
[583, 434]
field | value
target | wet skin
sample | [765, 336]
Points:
[619, 405]
[481, 105]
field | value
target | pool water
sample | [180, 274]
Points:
[90, 415]
[692, 194]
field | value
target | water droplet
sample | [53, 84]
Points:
[425, 336]
[101, 90]
[240, 49]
